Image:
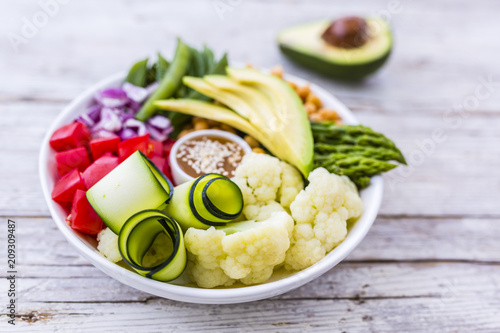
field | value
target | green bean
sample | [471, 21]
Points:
[170, 82]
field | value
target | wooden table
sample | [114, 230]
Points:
[430, 263]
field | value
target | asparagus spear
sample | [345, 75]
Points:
[355, 151]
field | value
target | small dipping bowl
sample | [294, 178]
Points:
[181, 176]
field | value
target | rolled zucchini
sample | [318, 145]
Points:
[138, 234]
[209, 200]
[133, 186]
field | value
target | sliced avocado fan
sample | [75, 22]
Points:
[258, 104]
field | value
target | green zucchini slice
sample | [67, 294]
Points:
[209, 200]
[138, 234]
[134, 185]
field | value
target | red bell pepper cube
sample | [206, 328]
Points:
[160, 162]
[83, 217]
[100, 168]
[74, 158]
[64, 190]
[167, 172]
[162, 165]
[167, 148]
[130, 146]
[157, 148]
[99, 147]
[70, 136]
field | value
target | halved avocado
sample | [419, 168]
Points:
[306, 44]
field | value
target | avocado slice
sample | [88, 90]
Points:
[218, 113]
[263, 106]
[291, 125]
[306, 45]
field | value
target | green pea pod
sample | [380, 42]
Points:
[138, 234]
[219, 68]
[171, 81]
[179, 119]
[209, 200]
[137, 74]
[161, 67]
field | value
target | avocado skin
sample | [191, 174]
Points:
[355, 72]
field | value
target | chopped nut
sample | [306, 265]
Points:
[200, 125]
[258, 150]
[251, 141]
[212, 123]
[277, 71]
[315, 117]
[227, 128]
[184, 132]
[312, 98]
[293, 85]
[329, 114]
[310, 108]
[303, 92]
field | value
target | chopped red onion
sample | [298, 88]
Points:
[113, 114]
[94, 113]
[135, 93]
[133, 106]
[139, 94]
[156, 134]
[138, 126]
[127, 133]
[152, 87]
[85, 119]
[126, 116]
[159, 122]
[113, 97]
[110, 121]
[102, 134]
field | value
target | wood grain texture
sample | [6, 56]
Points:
[431, 261]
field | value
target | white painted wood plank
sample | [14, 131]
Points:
[376, 315]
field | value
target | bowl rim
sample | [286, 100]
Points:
[195, 294]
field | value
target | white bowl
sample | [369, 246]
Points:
[178, 290]
[179, 175]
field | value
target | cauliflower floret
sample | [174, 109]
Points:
[291, 184]
[247, 251]
[321, 212]
[265, 180]
[260, 213]
[259, 177]
[108, 245]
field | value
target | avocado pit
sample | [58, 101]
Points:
[347, 32]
